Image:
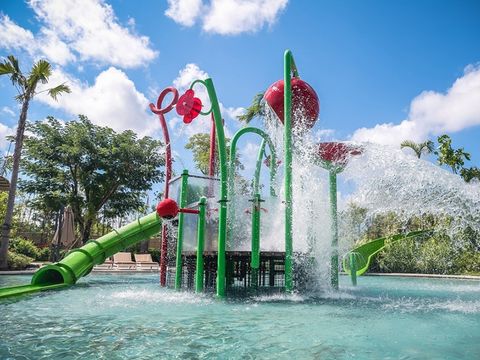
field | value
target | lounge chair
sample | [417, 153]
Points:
[107, 265]
[145, 262]
[123, 261]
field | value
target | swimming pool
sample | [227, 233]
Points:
[131, 317]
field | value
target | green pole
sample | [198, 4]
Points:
[200, 244]
[183, 203]
[334, 227]
[353, 269]
[255, 256]
[287, 121]
[222, 214]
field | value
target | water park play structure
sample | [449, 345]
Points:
[198, 214]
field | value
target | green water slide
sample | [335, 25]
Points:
[363, 254]
[79, 262]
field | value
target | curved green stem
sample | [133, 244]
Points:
[273, 160]
[222, 214]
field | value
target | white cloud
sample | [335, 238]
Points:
[71, 29]
[226, 17]
[54, 49]
[111, 101]
[4, 132]
[8, 111]
[184, 12]
[13, 36]
[433, 113]
[90, 28]
[231, 17]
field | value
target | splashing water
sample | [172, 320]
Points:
[381, 181]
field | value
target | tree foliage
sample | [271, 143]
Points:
[254, 110]
[88, 167]
[447, 155]
[200, 146]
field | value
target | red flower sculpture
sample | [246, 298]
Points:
[189, 106]
[337, 153]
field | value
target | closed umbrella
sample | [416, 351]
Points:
[65, 233]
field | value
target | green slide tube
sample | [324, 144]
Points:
[79, 262]
[364, 253]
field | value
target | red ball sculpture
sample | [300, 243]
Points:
[304, 99]
[167, 208]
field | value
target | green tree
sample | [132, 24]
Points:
[89, 167]
[453, 158]
[200, 146]
[26, 86]
[425, 147]
[468, 174]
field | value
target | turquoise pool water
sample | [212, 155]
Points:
[130, 317]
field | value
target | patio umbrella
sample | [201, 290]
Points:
[65, 234]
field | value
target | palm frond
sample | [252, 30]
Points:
[408, 143]
[58, 90]
[41, 71]
[6, 68]
[254, 110]
[14, 62]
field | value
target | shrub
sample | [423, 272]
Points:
[468, 262]
[155, 254]
[43, 254]
[24, 247]
[436, 255]
[399, 256]
[18, 261]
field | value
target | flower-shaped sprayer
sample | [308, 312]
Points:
[189, 106]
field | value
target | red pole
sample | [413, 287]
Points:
[168, 171]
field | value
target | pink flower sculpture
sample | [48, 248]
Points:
[189, 106]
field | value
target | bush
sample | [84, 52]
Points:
[436, 255]
[43, 254]
[18, 261]
[468, 262]
[155, 254]
[399, 257]
[24, 247]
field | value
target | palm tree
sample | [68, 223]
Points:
[425, 147]
[254, 110]
[26, 86]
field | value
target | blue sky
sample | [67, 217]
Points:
[385, 71]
